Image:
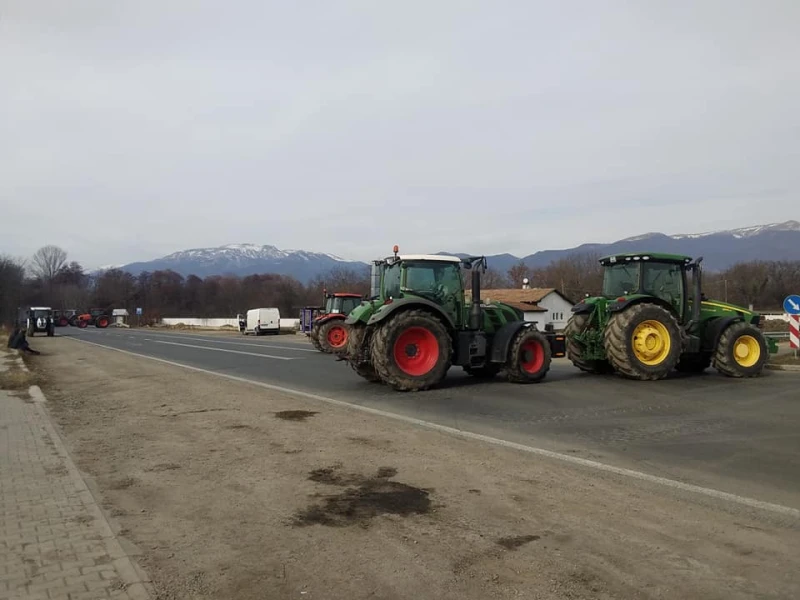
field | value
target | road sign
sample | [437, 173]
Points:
[138, 312]
[792, 304]
[794, 332]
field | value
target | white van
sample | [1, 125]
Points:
[263, 320]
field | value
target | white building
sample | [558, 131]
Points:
[546, 306]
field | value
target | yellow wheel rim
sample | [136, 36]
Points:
[651, 342]
[746, 351]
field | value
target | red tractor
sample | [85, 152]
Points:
[98, 317]
[328, 331]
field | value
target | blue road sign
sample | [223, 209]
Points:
[138, 312]
[792, 304]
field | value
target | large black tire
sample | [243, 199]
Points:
[102, 321]
[529, 357]
[576, 324]
[354, 342]
[738, 338]
[694, 363]
[73, 320]
[488, 371]
[328, 338]
[618, 339]
[314, 337]
[412, 351]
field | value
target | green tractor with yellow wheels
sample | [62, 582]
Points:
[653, 318]
[418, 322]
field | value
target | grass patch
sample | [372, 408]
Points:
[16, 379]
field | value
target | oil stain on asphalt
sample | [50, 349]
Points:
[294, 415]
[362, 499]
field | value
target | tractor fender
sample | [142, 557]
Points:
[329, 317]
[618, 306]
[714, 331]
[405, 303]
[582, 308]
[501, 341]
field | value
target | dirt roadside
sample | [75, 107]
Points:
[232, 491]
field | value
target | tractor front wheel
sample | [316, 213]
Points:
[102, 322]
[643, 342]
[83, 324]
[333, 336]
[577, 324]
[412, 351]
[741, 351]
[528, 357]
[355, 341]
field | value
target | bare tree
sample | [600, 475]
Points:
[47, 262]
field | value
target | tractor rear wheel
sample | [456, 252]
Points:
[487, 371]
[355, 340]
[333, 336]
[694, 363]
[63, 321]
[314, 337]
[83, 323]
[412, 350]
[741, 351]
[643, 342]
[576, 324]
[528, 357]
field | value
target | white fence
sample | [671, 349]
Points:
[286, 324]
[775, 317]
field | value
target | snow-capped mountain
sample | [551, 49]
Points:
[720, 249]
[245, 259]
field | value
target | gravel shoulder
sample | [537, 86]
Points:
[227, 490]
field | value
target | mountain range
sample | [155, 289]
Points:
[720, 249]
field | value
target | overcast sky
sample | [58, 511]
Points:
[133, 128]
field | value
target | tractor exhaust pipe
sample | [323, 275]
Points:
[476, 313]
[697, 296]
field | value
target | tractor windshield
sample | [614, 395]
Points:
[621, 279]
[342, 305]
[432, 278]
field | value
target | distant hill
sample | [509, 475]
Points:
[245, 259]
[720, 249]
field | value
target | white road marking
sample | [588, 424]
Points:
[199, 339]
[225, 350]
[574, 460]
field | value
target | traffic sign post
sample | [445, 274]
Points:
[794, 332]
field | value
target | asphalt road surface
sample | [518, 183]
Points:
[736, 436]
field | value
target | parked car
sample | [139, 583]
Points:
[37, 318]
[263, 320]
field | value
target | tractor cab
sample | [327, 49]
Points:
[341, 303]
[658, 276]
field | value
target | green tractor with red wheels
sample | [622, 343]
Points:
[418, 322]
[653, 318]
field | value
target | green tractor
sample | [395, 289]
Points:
[418, 322]
[653, 318]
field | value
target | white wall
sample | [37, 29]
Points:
[558, 311]
[217, 323]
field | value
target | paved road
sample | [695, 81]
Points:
[737, 436]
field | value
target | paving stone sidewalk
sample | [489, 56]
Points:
[54, 540]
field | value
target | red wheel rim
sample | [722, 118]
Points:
[416, 351]
[62, 321]
[531, 356]
[103, 322]
[337, 336]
